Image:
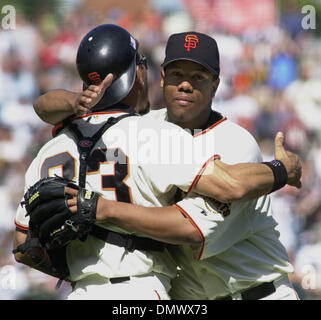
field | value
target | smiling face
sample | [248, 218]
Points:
[188, 90]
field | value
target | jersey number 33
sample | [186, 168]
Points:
[112, 160]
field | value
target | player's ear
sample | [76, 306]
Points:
[162, 78]
[215, 86]
[140, 76]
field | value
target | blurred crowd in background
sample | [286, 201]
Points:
[270, 81]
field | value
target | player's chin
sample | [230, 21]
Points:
[183, 111]
[180, 107]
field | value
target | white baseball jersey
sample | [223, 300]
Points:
[132, 156]
[241, 246]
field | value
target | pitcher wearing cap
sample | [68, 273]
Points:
[240, 256]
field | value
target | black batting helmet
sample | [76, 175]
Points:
[108, 48]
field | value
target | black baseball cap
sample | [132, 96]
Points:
[193, 46]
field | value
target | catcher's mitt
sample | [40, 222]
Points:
[52, 225]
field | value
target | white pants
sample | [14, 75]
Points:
[283, 291]
[94, 287]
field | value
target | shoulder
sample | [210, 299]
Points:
[226, 130]
[232, 129]
[240, 140]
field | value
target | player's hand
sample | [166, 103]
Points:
[91, 96]
[291, 161]
[72, 203]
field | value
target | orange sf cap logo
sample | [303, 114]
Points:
[191, 41]
[94, 77]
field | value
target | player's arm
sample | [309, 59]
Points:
[168, 224]
[20, 237]
[33, 256]
[165, 224]
[247, 181]
[227, 183]
[56, 105]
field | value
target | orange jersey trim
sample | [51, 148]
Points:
[20, 226]
[296, 294]
[216, 156]
[209, 128]
[55, 129]
[195, 226]
[96, 113]
[158, 296]
[198, 176]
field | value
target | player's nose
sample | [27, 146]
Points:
[185, 86]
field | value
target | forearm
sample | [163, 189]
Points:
[165, 224]
[54, 106]
[254, 181]
[229, 183]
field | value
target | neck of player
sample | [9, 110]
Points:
[198, 122]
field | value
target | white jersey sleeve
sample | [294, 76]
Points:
[31, 177]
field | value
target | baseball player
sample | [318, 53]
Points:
[84, 286]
